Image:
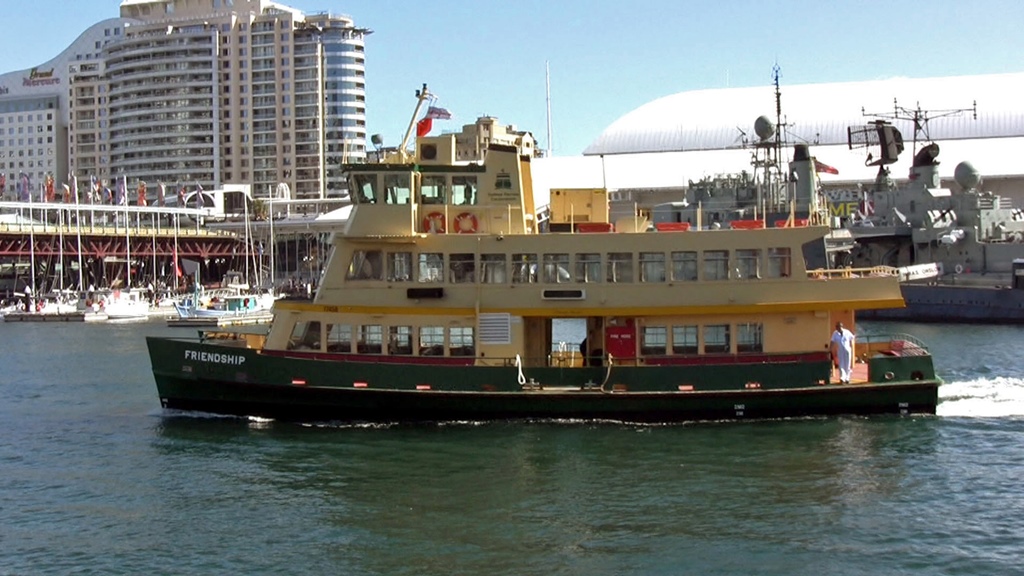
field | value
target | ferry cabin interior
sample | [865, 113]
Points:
[444, 263]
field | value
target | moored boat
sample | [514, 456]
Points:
[441, 291]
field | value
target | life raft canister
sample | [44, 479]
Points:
[465, 223]
[434, 222]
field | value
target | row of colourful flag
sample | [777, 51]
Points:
[99, 193]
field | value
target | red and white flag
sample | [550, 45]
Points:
[822, 167]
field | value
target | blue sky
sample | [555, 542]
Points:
[607, 58]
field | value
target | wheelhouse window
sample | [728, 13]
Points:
[684, 340]
[462, 268]
[716, 265]
[461, 341]
[524, 268]
[493, 269]
[400, 266]
[364, 188]
[398, 188]
[366, 265]
[464, 190]
[654, 341]
[588, 267]
[684, 266]
[371, 339]
[432, 189]
[305, 336]
[339, 338]
[431, 267]
[779, 263]
[749, 337]
[431, 340]
[620, 267]
[400, 340]
[748, 264]
[716, 339]
[556, 268]
[652, 266]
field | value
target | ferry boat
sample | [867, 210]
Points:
[442, 288]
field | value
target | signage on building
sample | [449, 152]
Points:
[37, 77]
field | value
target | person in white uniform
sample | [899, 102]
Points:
[842, 346]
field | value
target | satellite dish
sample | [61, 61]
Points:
[377, 140]
[764, 128]
[966, 175]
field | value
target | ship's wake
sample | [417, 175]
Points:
[982, 397]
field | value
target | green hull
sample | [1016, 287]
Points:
[229, 380]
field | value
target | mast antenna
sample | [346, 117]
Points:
[921, 117]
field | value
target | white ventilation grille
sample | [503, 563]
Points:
[495, 328]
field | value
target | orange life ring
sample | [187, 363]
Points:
[465, 223]
[434, 222]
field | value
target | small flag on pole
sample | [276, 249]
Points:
[423, 126]
[438, 113]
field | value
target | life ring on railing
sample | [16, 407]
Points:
[434, 222]
[959, 269]
[466, 223]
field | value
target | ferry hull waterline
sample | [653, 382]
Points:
[445, 285]
[244, 382]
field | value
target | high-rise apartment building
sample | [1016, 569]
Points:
[203, 93]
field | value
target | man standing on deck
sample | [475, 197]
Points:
[842, 346]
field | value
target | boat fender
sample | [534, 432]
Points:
[434, 222]
[466, 223]
[889, 375]
[959, 268]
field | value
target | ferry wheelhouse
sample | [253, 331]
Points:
[443, 292]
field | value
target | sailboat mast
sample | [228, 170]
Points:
[248, 235]
[547, 90]
[127, 236]
[78, 233]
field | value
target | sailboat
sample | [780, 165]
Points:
[130, 303]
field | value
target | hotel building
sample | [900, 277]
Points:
[194, 93]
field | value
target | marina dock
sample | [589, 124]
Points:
[220, 322]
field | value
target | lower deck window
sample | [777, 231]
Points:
[339, 338]
[305, 336]
[716, 339]
[400, 340]
[431, 340]
[462, 341]
[655, 341]
[749, 338]
[371, 339]
[684, 340]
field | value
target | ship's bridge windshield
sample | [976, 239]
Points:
[386, 188]
[401, 188]
[365, 189]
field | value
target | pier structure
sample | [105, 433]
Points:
[49, 246]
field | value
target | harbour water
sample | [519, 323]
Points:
[96, 479]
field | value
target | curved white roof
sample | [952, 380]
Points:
[720, 119]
